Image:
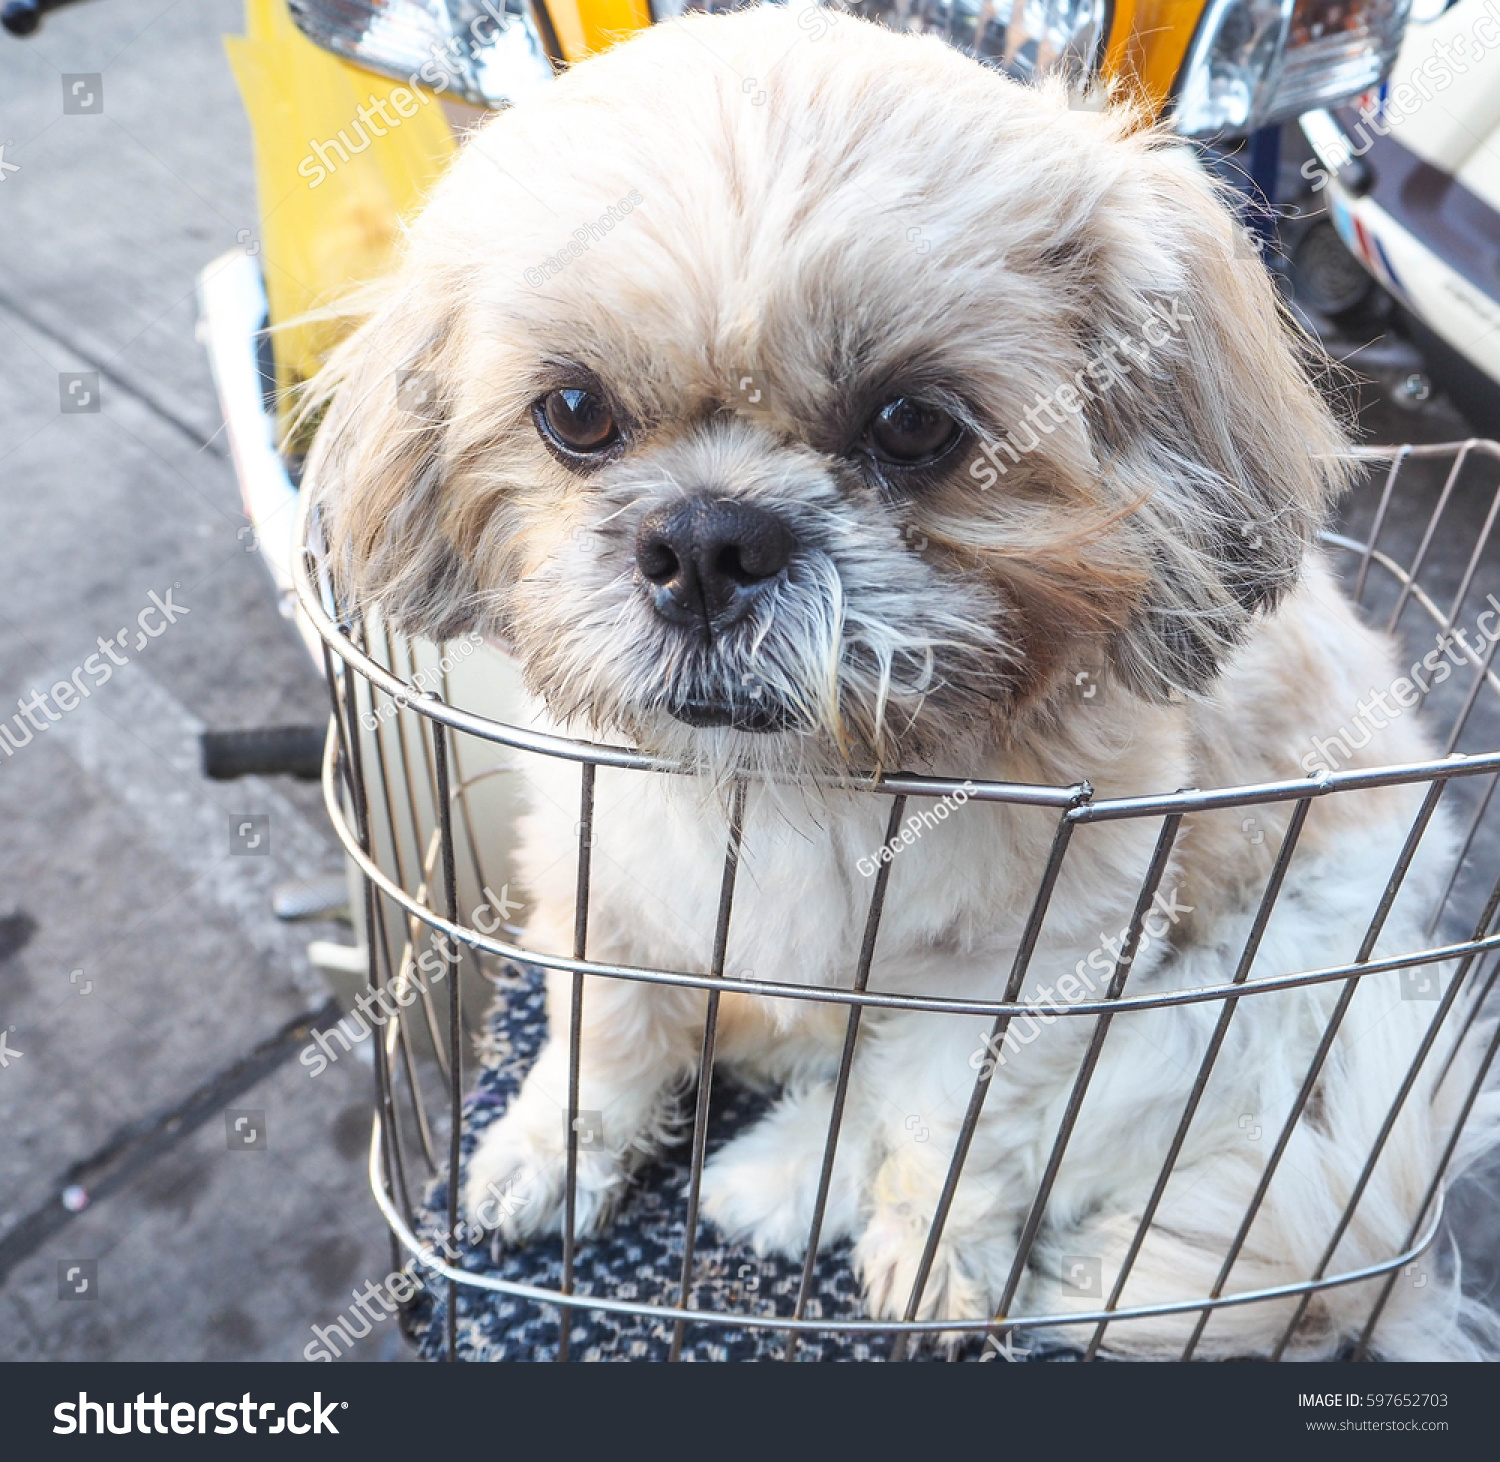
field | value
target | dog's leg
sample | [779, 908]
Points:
[923, 1078]
[637, 1048]
[966, 1274]
[761, 1188]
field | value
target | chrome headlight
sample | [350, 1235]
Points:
[1026, 40]
[1255, 62]
[487, 52]
[1023, 38]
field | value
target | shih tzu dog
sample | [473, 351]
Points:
[806, 404]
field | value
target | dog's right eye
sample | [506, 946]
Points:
[909, 433]
[576, 420]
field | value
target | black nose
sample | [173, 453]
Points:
[706, 559]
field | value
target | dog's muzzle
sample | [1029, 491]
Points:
[704, 563]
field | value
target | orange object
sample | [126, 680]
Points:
[1148, 42]
[585, 27]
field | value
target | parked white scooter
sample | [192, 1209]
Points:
[1411, 176]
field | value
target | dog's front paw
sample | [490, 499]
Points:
[517, 1178]
[751, 1198]
[888, 1257]
[761, 1188]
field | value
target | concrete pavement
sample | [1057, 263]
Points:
[116, 853]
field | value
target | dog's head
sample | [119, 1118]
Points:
[777, 393]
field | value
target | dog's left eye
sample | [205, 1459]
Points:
[577, 420]
[908, 432]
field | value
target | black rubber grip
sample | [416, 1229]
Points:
[21, 17]
[294, 751]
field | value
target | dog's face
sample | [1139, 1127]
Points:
[792, 399]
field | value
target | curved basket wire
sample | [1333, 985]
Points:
[402, 806]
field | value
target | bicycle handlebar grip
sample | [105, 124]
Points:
[22, 17]
[295, 751]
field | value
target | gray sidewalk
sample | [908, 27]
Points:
[116, 852]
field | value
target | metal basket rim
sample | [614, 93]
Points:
[838, 995]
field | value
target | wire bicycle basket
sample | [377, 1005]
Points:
[416, 781]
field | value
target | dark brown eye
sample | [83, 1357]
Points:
[577, 420]
[906, 432]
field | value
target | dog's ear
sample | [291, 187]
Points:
[379, 462]
[1211, 436]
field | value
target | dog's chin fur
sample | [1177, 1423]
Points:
[1132, 600]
